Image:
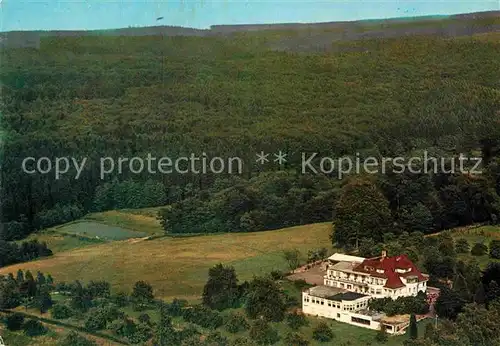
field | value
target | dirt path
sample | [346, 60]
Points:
[99, 338]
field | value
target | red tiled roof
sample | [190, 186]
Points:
[389, 266]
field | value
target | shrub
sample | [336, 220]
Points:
[189, 334]
[140, 334]
[323, 333]
[236, 322]
[120, 299]
[479, 249]
[145, 319]
[300, 284]
[175, 308]
[263, 333]
[203, 316]
[296, 320]
[75, 339]
[124, 327]
[34, 328]
[95, 322]
[14, 321]
[242, 341]
[381, 335]
[291, 301]
[277, 275]
[296, 339]
[61, 312]
[216, 339]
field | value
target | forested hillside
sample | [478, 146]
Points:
[101, 96]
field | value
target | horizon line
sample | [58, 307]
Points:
[210, 27]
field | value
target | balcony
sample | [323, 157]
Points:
[347, 281]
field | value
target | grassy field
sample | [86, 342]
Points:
[96, 229]
[139, 220]
[59, 242]
[478, 235]
[177, 267]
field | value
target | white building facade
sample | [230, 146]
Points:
[347, 307]
[378, 277]
[350, 282]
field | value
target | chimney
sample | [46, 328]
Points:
[384, 253]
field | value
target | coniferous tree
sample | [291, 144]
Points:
[413, 328]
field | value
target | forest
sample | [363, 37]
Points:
[231, 96]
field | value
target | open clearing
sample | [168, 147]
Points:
[140, 220]
[103, 231]
[177, 267]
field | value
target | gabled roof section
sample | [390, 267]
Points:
[385, 267]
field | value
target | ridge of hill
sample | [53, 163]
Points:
[448, 26]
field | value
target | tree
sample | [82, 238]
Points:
[34, 328]
[20, 277]
[412, 328]
[362, 211]
[478, 325]
[50, 280]
[462, 246]
[417, 219]
[40, 279]
[81, 299]
[99, 289]
[367, 248]
[263, 333]
[492, 292]
[14, 321]
[479, 249]
[61, 312]
[142, 294]
[446, 244]
[9, 294]
[292, 257]
[265, 299]
[221, 290]
[44, 300]
[495, 249]
[480, 295]
[449, 303]
[323, 333]
[29, 287]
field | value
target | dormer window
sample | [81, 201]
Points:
[381, 271]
